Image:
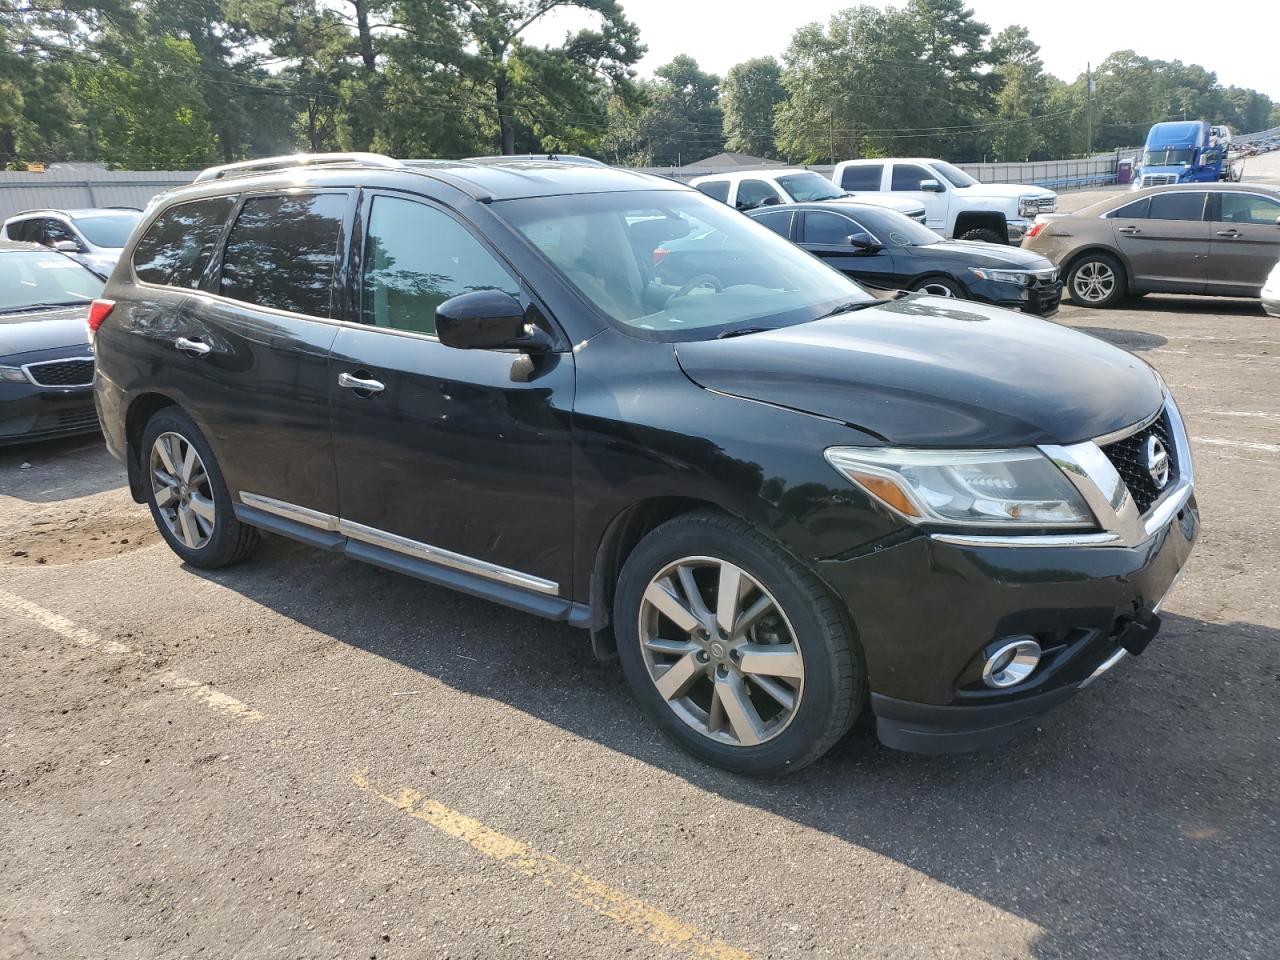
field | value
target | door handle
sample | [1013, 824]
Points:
[196, 348]
[1229, 233]
[359, 384]
[1128, 230]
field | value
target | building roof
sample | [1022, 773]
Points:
[723, 162]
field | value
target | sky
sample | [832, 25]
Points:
[1240, 49]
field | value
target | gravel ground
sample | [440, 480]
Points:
[306, 757]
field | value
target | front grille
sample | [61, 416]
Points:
[1129, 457]
[77, 372]
[74, 419]
[1158, 179]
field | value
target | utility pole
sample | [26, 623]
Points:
[1088, 109]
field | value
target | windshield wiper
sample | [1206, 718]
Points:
[41, 306]
[742, 332]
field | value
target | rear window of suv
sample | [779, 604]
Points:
[177, 246]
[282, 250]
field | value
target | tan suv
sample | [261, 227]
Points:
[1219, 239]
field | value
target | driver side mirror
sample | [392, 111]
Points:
[66, 246]
[930, 186]
[769, 202]
[487, 320]
[862, 241]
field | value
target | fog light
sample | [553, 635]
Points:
[1012, 663]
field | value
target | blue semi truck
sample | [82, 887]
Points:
[1184, 151]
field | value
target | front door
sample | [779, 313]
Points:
[905, 180]
[1245, 244]
[1166, 242]
[456, 457]
[828, 235]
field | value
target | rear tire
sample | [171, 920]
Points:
[732, 697]
[189, 500]
[985, 234]
[1096, 280]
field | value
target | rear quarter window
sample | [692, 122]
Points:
[716, 190]
[179, 243]
[862, 177]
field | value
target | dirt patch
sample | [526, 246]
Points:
[46, 541]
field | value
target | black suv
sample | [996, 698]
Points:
[777, 499]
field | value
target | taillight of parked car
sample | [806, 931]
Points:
[1035, 229]
[99, 310]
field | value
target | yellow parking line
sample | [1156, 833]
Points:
[214, 699]
[636, 915]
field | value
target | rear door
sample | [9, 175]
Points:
[259, 346]
[905, 180]
[1165, 241]
[827, 235]
[1245, 244]
[456, 457]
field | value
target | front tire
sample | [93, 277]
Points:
[939, 287]
[189, 500]
[762, 683]
[1096, 280]
[986, 235]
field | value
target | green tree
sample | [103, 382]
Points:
[677, 119]
[749, 95]
[1023, 95]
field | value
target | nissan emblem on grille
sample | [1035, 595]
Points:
[1157, 462]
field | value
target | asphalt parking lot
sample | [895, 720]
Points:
[307, 757]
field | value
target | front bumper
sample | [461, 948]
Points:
[1041, 299]
[1018, 229]
[29, 412]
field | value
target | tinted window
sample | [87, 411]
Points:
[1248, 208]
[177, 246]
[1177, 206]
[752, 193]
[56, 231]
[716, 189]
[862, 177]
[23, 230]
[1133, 211]
[108, 229]
[779, 221]
[907, 176]
[415, 258]
[829, 228]
[281, 252]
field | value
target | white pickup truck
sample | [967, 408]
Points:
[759, 188]
[956, 205]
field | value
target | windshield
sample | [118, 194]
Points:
[676, 264]
[29, 279]
[108, 229]
[804, 187]
[953, 173]
[894, 229]
[1167, 157]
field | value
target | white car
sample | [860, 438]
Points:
[92, 237]
[1271, 292]
[759, 188]
[956, 205]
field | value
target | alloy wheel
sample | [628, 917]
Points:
[183, 494]
[936, 290]
[1093, 282]
[721, 651]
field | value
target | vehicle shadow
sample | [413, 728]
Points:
[61, 469]
[1138, 820]
[1133, 340]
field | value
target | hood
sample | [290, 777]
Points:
[31, 331]
[1009, 191]
[979, 253]
[928, 372]
[901, 204]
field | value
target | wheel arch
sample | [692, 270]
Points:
[141, 409]
[937, 275]
[977, 219]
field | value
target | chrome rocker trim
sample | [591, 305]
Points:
[403, 545]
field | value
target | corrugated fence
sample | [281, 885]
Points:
[69, 189]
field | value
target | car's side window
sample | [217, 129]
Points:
[1248, 208]
[282, 250]
[1177, 205]
[716, 190]
[177, 246]
[779, 221]
[863, 176]
[829, 228]
[56, 231]
[1132, 211]
[907, 176]
[752, 193]
[415, 258]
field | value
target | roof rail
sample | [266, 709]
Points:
[23, 213]
[246, 168]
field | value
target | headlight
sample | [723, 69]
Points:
[972, 487]
[1020, 277]
[12, 375]
[1028, 206]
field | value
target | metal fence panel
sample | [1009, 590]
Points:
[97, 188]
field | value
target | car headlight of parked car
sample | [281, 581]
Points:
[12, 375]
[968, 487]
[1020, 277]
